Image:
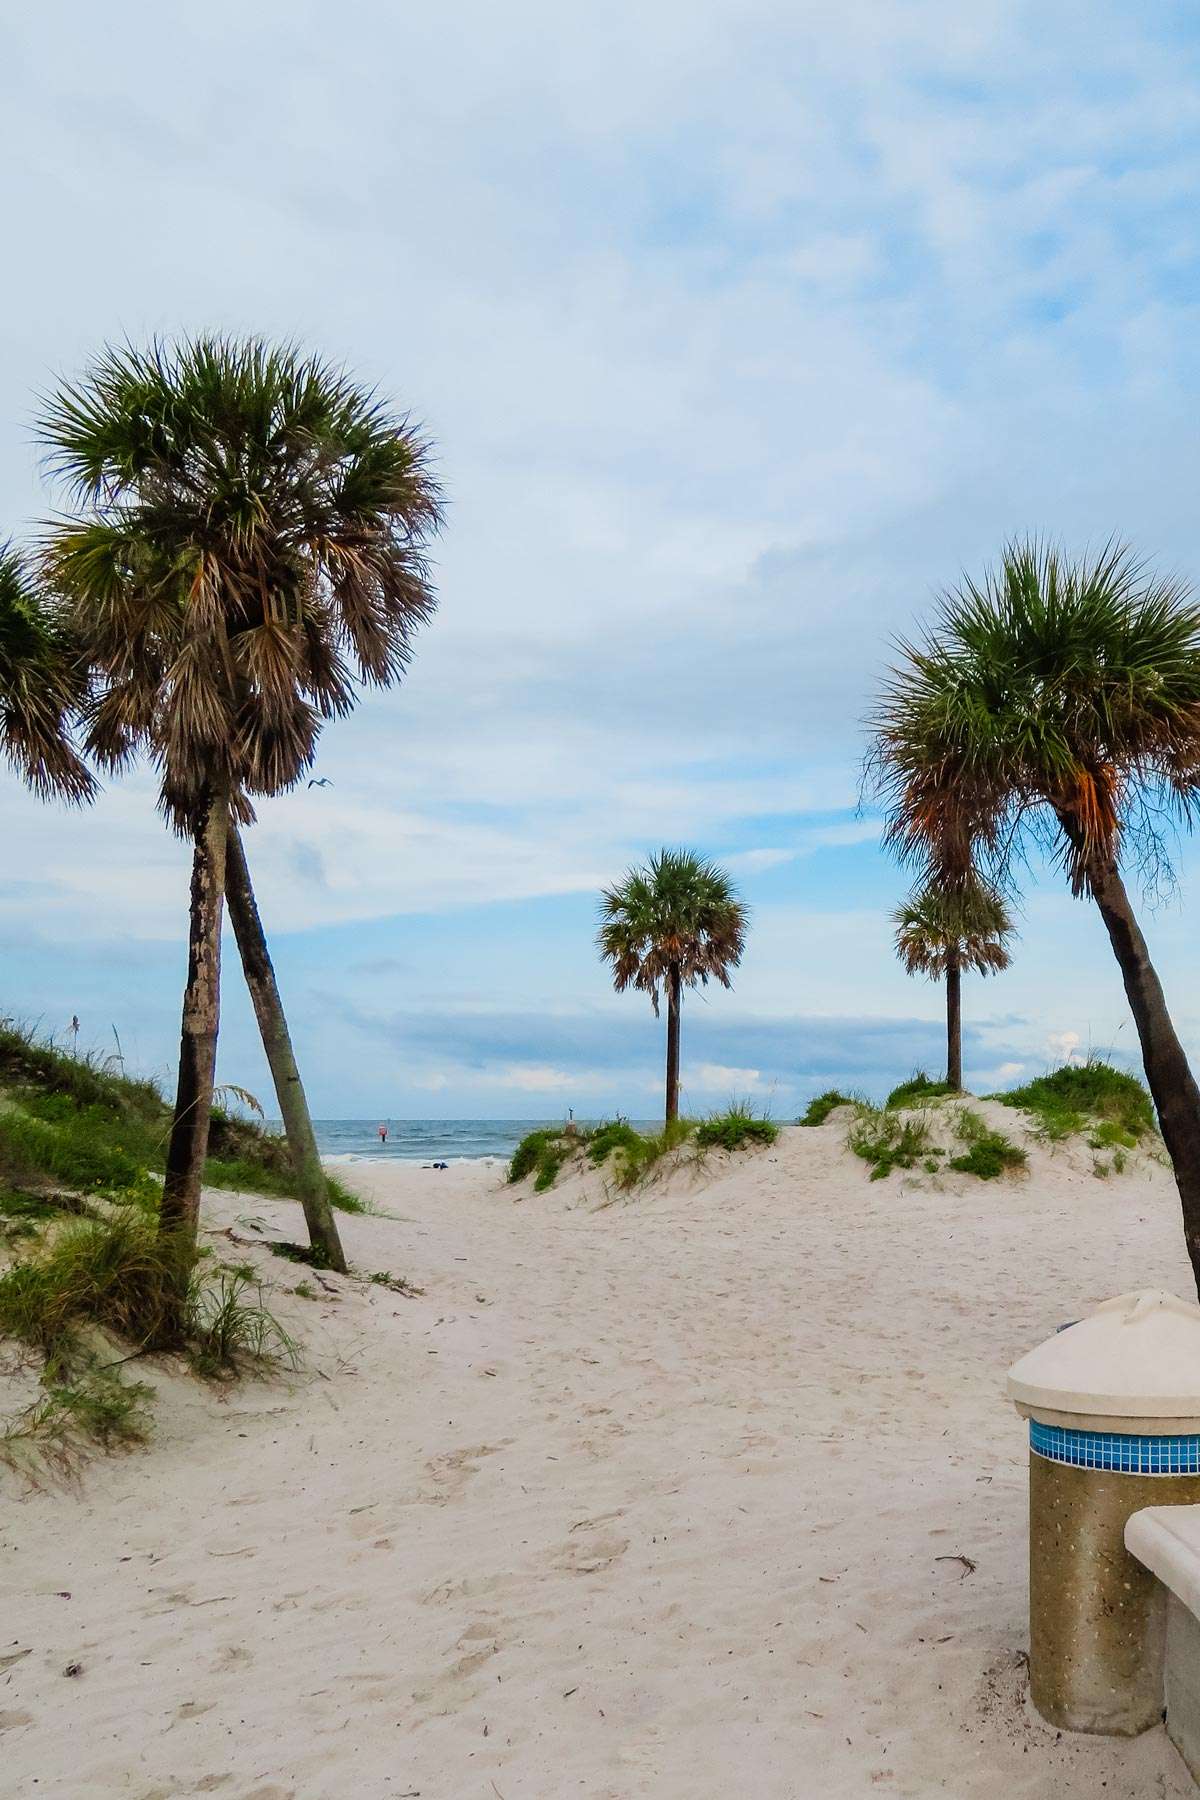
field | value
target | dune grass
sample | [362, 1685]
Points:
[988, 1152]
[629, 1155]
[820, 1107]
[735, 1128]
[886, 1141]
[919, 1088]
[89, 1294]
[1111, 1102]
[80, 1123]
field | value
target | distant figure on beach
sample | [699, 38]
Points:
[383, 1134]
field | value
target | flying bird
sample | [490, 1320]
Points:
[324, 782]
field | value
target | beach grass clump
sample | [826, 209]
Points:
[529, 1153]
[735, 1128]
[820, 1107]
[225, 1333]
[612, 1135]
[988, 1152]
[111, 1278]
[97, 1405]
[1082, 1095]
[919, 1088]
[886, 1141]
[634, 1159]
[115, 1272]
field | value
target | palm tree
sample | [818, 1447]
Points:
[674, 923]
[1058, 701]
[249, 542]
[942, 931]
[42, 687]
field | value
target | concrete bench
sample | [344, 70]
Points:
[1166, 1539]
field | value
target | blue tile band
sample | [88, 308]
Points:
[1114, 1451]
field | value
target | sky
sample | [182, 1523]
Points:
[741, 329]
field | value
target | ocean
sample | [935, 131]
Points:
[429, 1140]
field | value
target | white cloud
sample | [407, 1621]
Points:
[710, 1078]
[535, 1078]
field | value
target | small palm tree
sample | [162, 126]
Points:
[249, 544]
[1059, 700]
[942, 931]
[42, 688]
[674, 923]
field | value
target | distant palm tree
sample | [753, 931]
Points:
[942, 931]
[674, 923]
[251, 542]
[1061, 701]
[42, 687]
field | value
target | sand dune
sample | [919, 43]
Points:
[659, 1497]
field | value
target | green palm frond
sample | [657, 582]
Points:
[1053, 694]
[250, 542]
[679, 912]
[42, 687]
[967, 925]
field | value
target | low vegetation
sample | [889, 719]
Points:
[1093, 1095]
[886, 1141]
[988, 1152]
[628, 1155]
[89, 1294]
[820, 1107]
[918, 1089]
[79, 1123]
[734, 1129]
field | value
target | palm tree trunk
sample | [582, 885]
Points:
[953, 1022]
[188, 1147]
[674, 997]
[1170, 1079]
[277, 1043]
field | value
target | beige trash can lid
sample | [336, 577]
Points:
[1136, 1357]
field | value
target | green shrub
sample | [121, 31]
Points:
[734, 1128]
[989, 1153]
[618, 1134]
[1067, 1099]
[886, 1141]
[820, 1108]
[528, 1152]
[917, 1089]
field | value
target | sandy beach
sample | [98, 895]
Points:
[709, 1492]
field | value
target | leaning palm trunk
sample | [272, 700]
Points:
[953, 1023]
[277, 1043]
[674, 1006]
[188, 1145]
[1168, 1075]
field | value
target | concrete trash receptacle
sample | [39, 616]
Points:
[1113, 1405]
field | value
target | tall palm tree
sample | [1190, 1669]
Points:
[942, 931]
[674, 923]
[42, 687]
[248, 542]
[1060, 700]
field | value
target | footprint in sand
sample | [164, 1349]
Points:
[591, 1554]
[450, 1472]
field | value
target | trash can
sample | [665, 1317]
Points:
[1113, 1404]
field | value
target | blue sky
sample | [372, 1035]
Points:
[741, 328]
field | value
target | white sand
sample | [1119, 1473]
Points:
[661, 1499]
